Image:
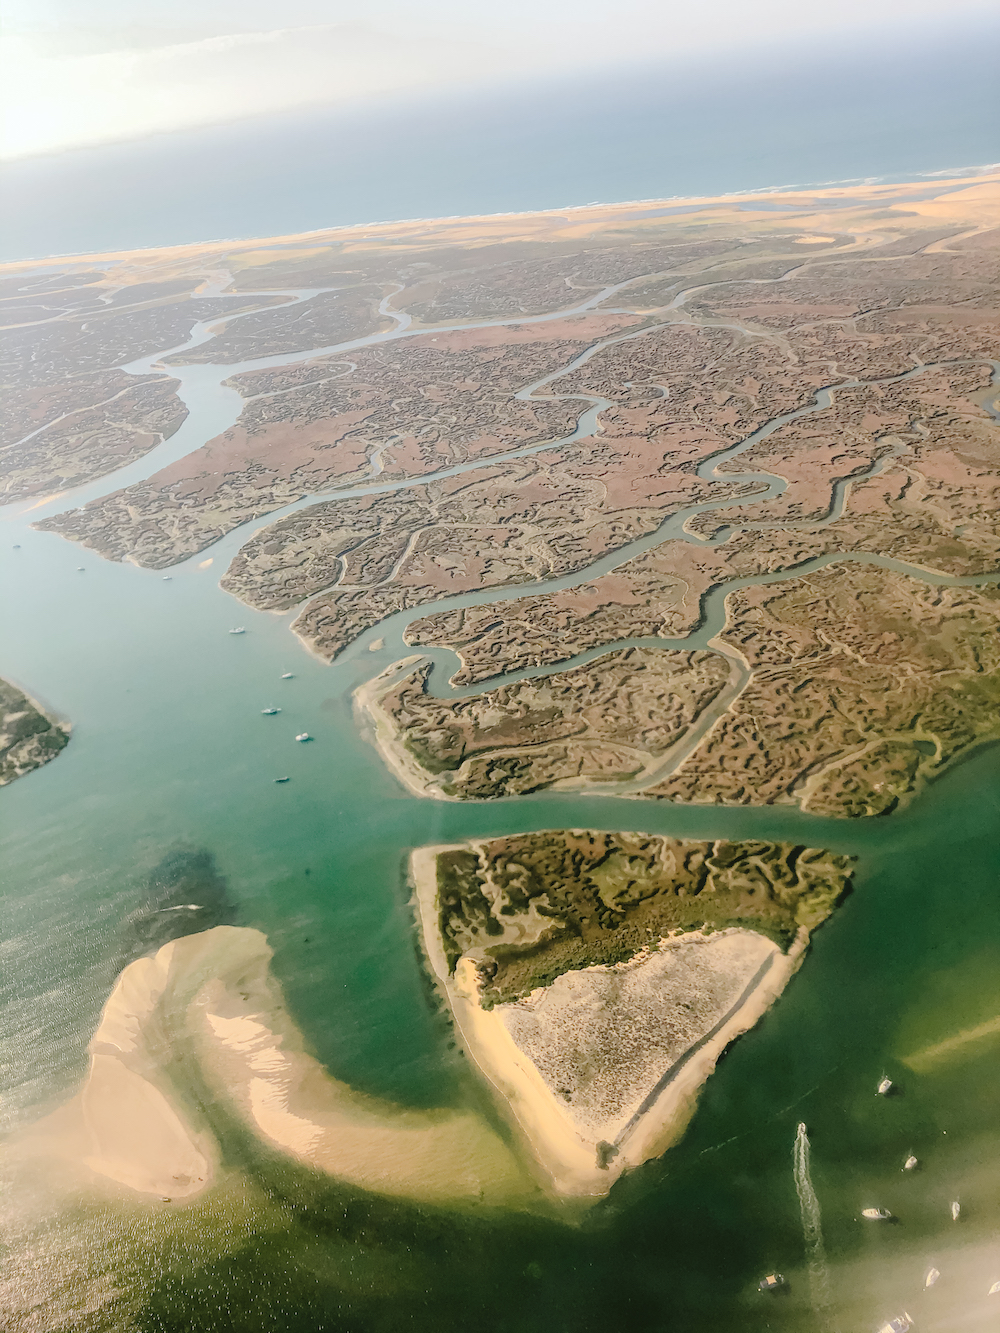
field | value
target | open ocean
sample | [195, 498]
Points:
[894, 108]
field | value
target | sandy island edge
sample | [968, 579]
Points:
[566, 1158]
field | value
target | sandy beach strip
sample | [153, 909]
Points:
[387, 736]
[941, 199]
[568, 1154]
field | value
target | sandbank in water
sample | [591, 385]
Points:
[205, 1009]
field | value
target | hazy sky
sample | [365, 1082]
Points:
[89, 71]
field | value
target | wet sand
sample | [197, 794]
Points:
[209, 1001]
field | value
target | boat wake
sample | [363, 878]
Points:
[812, 1231]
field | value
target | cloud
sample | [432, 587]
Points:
[57, 95]
[56, 101]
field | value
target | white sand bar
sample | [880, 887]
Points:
[207, 1005]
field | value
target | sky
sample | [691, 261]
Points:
[79, 72]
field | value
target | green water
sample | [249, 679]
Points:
[170, 754]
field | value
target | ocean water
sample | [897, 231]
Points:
[890, 104]
[170, 770]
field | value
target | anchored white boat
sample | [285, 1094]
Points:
[238, 630]
[303, 736]
[287, 675]
[282, 779]
[168, 578]
[956, 1211]
[910, 1163]
[931, 1277]
[877, 1214]
[900, 1324]
[773, 1282]
[885, 1086]
[270, 712]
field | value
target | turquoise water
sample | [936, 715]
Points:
[170, 748]
[170, 754]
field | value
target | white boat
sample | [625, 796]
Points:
[238, 630]
[773, 1282]
[167, 578]
[877, 1214]
[994, 1290]
[303, 736]
[885, 1086]
[269, 712]
[910, 1163]
[287, 675]
[898, 1325]
[956, 1209]
[931, 1277]
[282, 779]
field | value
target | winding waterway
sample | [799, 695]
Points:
[170, 750]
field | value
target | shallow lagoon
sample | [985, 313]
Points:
[170, 750]
[171, 755]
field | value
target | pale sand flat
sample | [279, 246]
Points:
[210, 998]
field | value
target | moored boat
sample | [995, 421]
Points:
[773, 1282]
[931, 1277]
[956, 1210]
[877, 1214]
[287, 675]
[303, 736]
[910, 1163]
[238, 630]
[898, 1325]
[270, 712]
[885, 1086]
[282, 779]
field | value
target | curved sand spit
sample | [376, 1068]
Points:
[205, 1009]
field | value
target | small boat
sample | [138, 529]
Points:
[931, 1277]
[282, 779]
[269, 712]
[773, 1282]
[303, 736]
[238, 630]
[994, 1290]
[898, 1325]
[877, 1214]
[911, 1163]
[956, 1210]
[80, 569]
[167, 578]
[885, 1086]
[288, 675]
